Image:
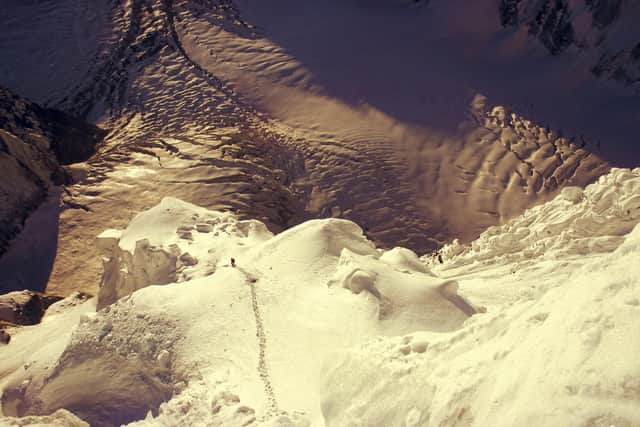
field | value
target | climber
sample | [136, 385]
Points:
[233, 262]
[4, 337]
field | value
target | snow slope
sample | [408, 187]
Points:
[315, 326]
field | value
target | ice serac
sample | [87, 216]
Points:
[154, 248]
[126, 272]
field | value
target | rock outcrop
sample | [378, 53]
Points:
[24, 307]
[592, 26]
[34, 144]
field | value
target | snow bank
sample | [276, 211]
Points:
[59, 418]
[114, 369]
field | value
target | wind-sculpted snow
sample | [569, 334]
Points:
[401, 181]
[259, 300]
[575, 224]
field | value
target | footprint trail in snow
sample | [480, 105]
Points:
[263, 368]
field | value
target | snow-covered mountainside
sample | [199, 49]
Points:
[315, 326]
[321, 212]
[240, 106]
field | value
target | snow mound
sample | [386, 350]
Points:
[405, 260]
[418, 299]
[329, 237]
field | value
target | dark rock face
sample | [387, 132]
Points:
[553, 24]
[604, 12]
[623, 66]
[34, 143]
[24, 307]
[550, 22]
[70, 139]
[508, 10]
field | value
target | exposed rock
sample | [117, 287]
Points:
[552, 25]
[549, 21]
[34, 143]
[24, 307]
[188, 260]
[69, 139]
[622, 66]
[604, 12]
[561, 24]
